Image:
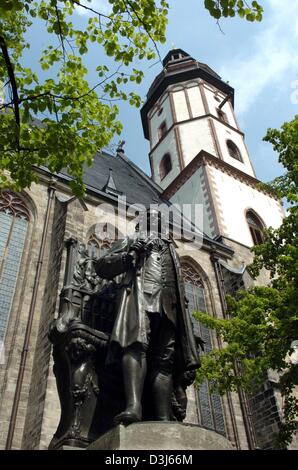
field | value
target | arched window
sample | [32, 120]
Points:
[210, 410]
[96, 247]
[162, 130]
[234, 151]
[222, 115]
[165, 166]
[14, 218]
[256, 227]
[100, 237]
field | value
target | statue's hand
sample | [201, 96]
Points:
[138, 246]
[133, 258]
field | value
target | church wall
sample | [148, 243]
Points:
[167, 145]
[243, 256]
[195, 100]
[196, 136]
[180, 104]
[38, 386]
[74, 228]
[231, 210]
[156, 118]
[214, 98]
[39, 416]
[19, 317]
[39, 408]
[194, 191]
[187, 100]
[223, 134]
[200, 259]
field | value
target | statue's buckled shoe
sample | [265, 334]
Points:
[127, 417]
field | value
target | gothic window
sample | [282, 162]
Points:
[165, 166]
[162, 130]
[234, 151]
[255, 227]
[222, 115]
[210, 410]
[14, 219]
[96, 247]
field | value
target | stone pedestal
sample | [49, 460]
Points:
[157, 435]
[79, 354]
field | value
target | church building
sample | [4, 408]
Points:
[198, 156]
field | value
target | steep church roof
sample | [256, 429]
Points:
[111, 176]
[136, 187]
[117, 175]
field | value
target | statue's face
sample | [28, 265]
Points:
[153, 223]
[82, 249]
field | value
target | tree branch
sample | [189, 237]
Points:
[59, 97]
[13, 84]
[60, 32]
[76, 2]
[145, 28]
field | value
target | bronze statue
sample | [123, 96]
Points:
[152, 333]
[123, 345]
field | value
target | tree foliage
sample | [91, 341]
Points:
[252, 11]
[262, 322]
[76, 117]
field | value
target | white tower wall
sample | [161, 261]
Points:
[196, 136]
[200, 119]
[160, 113]
[233, 198]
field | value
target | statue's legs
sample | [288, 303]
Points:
[134, 366]
[162, 389]
[161, 360]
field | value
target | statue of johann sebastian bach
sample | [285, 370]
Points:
[152, 330]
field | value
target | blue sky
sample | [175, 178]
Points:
[259, 60]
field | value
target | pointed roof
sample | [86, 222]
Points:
[179, 66]
[116, 175]
[110, 186]
[179, 56]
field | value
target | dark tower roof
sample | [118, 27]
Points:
[179, 56]
[179, 67]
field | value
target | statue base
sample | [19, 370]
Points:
[161, 435]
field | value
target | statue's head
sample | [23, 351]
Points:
[153, 221]
[82, 248]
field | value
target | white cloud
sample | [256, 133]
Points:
[102, 6]
[273, 55]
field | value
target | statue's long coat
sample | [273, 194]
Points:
[130, 325]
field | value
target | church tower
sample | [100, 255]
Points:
[198, 153]
[198, 156]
